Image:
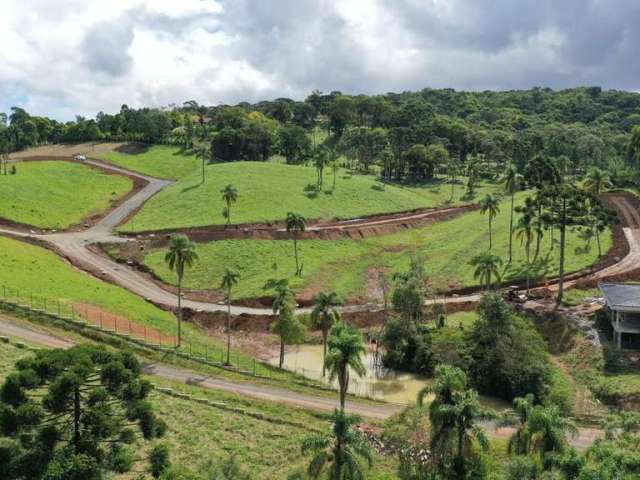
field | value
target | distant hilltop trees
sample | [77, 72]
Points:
[583, 127]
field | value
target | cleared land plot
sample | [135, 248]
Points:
[267, 191]
[157, 161]
[348, 266]
[54, 194]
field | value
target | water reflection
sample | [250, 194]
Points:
[379, 382]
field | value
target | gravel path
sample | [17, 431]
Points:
[73, 246]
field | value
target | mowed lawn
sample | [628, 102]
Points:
[160, 161]
[55, 194]
[348, 266]
[268, 190]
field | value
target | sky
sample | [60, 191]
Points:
[63, 58]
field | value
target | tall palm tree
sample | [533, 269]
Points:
[490, 205]
[487, 266]
[323, 316]
[338, 452]
[549, 429]
[346, 349]
[454, 413]
[203, 153]
[229, 196]
[524, 232]
[512, 184]
[597, 181]
[286, 325]
[229, 280]
[182, 254]
[320, 160]
[520, 441]
[296, 224]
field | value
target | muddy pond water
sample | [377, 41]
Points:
[379, 382]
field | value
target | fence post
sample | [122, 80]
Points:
[189, 349]
[100, 319]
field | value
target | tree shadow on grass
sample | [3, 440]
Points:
[311, 190]
[191, 187]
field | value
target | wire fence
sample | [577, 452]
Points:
[81, 314]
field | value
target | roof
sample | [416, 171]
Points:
[624, 297]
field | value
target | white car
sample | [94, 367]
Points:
[80, 158]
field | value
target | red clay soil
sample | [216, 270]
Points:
[366, 226]
[138, 184]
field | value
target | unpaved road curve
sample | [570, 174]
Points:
[73, 246]
[583, 440]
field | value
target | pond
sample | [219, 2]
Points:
[379, 382]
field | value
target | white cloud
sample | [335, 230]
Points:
[80, 56]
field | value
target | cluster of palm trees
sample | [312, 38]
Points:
[532, 222]
[181, 255]
[337, 453]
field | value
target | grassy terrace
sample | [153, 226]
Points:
[157, 161]
[267, 191]
[34, 270]
[53, 194]
[346, 266]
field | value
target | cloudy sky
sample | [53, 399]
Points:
[68, 57]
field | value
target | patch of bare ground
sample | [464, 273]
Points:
[71, 149]
[374, 225]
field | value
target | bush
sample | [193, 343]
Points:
[159, 460]
[508, 356]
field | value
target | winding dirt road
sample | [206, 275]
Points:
[73, 246]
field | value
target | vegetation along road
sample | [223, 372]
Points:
[381, 411]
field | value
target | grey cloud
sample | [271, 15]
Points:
[105, 47]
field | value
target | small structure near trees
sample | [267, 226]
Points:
[622, 301]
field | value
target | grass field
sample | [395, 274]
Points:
[347, 266]
[35, 271]
[158, 161]
[198, 434]
[57, 194]
[268, 190]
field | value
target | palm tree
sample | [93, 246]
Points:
[296, 223]
[286, 325]
[203, 153]
[323, 316]
[548, 428]
[182, 254]
[524, 232]
[597, 180]
[490, 204]
[487, 266]
[346, 349]
[520, 441]
[338, 452]
[229, 196]
[454, 414]
[512, 183]
[320, 159]
[229, 280]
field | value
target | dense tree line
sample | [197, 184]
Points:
[408, 136]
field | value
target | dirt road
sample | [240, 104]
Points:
[585, 437]
[73, 246]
